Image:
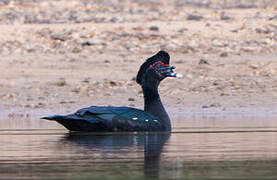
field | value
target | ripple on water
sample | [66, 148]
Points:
[198, 148]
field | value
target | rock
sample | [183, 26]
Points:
[212, 105]
[12, 43]
[179, 61]
[131, 99]
[219, 43]
[61, 82]
[193, 17]
[4, 2]
[44, 21]
[67, 102]
[262, 31]
[224, 94]
[86, 80]
[182, 30]
[223, 16]
[60, 37]
[75, 90]
[128, 60]
[27, 106]
[40, 104]
[9, 96]
[11, 115]
[99, 19]
[76, 50]
[70, 60]
[154, 28]
[125, 34]
[112, 83]
[273, 18]
[92, 43]
[84, 36]
[235, 30]
[27, 86]
[30, 19]
[254, 66]
[223, 54]
[40, 98]
[107, 61]
[30, 99]
[88, 43]
[114, 19]
[203, 61]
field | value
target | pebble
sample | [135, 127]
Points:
[67, 102]
[273, 18]
[75, 90]
[182, 30]
[128, 60]
[179, 61]
[84, 36]
[61, 82]
[254, 66]
[112, 83]
[60, 37]
[114, 19]
[76, 50]
[262, 31]
[219, 43]
[223, 16]
[154, 28]
[212, 105]
[4, 2]
[88, 43]
[107, 61]
[131, 99]
[13, 115]
[193, 17]
[203, 61]
[86, 80]
[223, 54]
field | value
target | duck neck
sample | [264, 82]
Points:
[154, 106]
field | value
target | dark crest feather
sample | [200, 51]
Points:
[160, 56]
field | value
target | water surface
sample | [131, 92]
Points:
[199, 148]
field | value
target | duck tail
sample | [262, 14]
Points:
[53, 118]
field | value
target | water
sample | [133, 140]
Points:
[199, 148]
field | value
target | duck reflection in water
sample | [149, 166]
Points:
[117, 147]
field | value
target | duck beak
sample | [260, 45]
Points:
[175, 74]
[170, 72]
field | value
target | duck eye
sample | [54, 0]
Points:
[158, 64]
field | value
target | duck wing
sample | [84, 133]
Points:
[108, 119]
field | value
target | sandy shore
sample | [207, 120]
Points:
[90, 54]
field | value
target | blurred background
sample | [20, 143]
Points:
[136, 26]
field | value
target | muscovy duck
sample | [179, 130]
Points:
[119, 119]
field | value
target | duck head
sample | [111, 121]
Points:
[156, 68]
